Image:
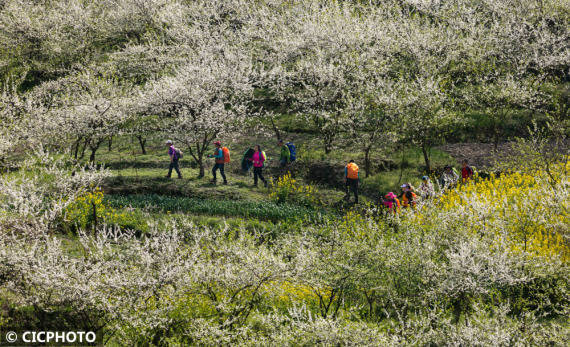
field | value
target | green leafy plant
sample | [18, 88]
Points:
[264, 210]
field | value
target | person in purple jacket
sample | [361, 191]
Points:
[174, 156]
[258, 162]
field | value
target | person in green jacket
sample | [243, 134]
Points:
[285, 155]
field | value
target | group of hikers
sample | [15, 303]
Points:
[255, 157]
[408, 197]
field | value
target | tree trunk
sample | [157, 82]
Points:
[83, 149]
[198, 155]
[198, 149]
[328, 141]
[92, 156]
[110, 143]
[367, 161]
[76, 148]
[202, 171]
[275, 129]
[426, 157]
[142, 143]
[94, 149]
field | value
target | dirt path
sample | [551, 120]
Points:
[480, 155]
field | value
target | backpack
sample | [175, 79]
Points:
[352, 171]
[226, 153]
[179, 153]
[264, 158]
[410, 198]
[455, 172]
[292, 150]
[245, 163]
[248, 153]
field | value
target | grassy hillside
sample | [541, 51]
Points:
[94, 238]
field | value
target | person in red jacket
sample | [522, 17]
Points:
[466, 171]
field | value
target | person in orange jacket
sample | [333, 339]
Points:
[351, 179]
[409, 198]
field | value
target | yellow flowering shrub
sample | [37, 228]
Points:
[89, 209]
[288, 189]
[523, 208]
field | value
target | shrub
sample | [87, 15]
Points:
[521, 206]
[288, 189]
[88, 210]
[36, 196]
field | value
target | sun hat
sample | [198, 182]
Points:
[425, 178]
[169, 142]
[217, 143]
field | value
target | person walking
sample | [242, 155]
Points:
[466, 171]
[258, 160]
[426, 188]
[408, 197]
[284, 156]
[219, 162]
[391, 202]
[174, 154]
[351, 178]
[448, 178]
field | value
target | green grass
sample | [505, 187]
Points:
[263, 210]
[413, 169]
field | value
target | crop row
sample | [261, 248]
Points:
[264, 210]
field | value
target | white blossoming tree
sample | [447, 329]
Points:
[90, 110]
[203, 101]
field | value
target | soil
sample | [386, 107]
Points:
[480, 155]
